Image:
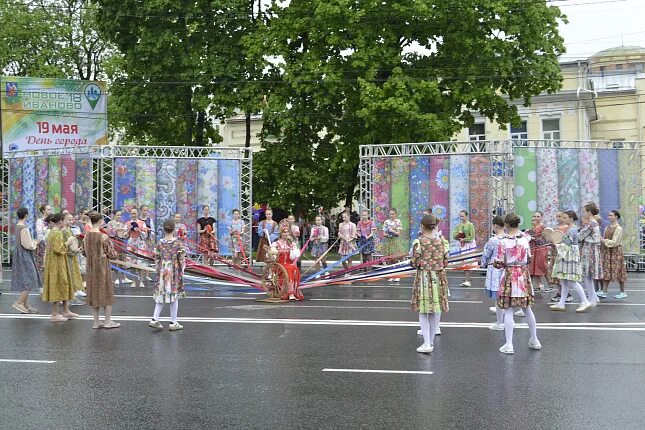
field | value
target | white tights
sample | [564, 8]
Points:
[499, 313]
[174, 307]
[429, 324]
[509, 323]
[591, 290]
[566, 286]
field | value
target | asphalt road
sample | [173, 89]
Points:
[325, 363]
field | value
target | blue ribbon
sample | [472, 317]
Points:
[342, 260]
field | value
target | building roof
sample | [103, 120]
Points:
[619, 51]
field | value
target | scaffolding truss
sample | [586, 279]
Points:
[103, 180]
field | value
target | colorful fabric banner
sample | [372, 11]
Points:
[54, 178]
[124, 186]
[547, 188]
[401, 194]
[84, 181]
[16, 187]
[147, 173]
[630, 190]
[29, 192]
[42, 185]
[588, 169]
[166, 202]
[228, 197]
[68, 183]
[459, 192]
[187, 194]
[609, 183]
[525, 190]
[381, 188]
[207, 180]
[480, 197]
[568, 180]
[439, 191]
[419, 192]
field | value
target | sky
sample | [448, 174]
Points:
[595, 25]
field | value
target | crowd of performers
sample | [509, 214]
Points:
[74, 256]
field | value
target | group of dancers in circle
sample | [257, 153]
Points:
[514, 260]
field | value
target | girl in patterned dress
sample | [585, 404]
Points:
[236, 230]
[366, 229]
[430, 293]
[590, 237]
[288, 252]
[392, 243]
[613, 259]
[513, 255]
[170, 258]
[465, 235]
[268, 233]
[320, 238]
[347, 233]
[567, 267]
[494, 274]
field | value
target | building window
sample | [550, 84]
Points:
[477, 132]
[551, 129]
[520, 135]
[617, 143]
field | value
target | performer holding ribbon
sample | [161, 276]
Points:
[347, 233]
[117, 230]
[268, 232]
[288, 252]
[465, 234]
[207, 238]
[236, 230]
[366, 229]
[137, 235]
[392, 244]
[319, 243]
[181, 231]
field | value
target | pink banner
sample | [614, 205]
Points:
[68, 183]
[440, 191]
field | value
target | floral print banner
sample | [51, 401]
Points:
[419, 192]
[54, 197]
[125, 196]
[525, 189]
[381, 188]
[440, 191]
[68, 183]
[187, 194]
[42, 173]
[84, 182]
[29, 192]
[480, 197]
[166, 191]
[401, 194]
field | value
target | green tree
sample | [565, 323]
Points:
[362, 72]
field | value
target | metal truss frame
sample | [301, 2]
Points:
[103, 181]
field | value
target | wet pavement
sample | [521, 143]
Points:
[244, 364]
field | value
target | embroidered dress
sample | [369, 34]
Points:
[56, 285]
[590, 258]
[170, 259]
[100, 287]
[286, 256]
[513, 254]
[365, 229]
[493, 274]
[538, 265]
[41, 236]
[567, 261]
[613, 259]
[466, 233]
[24, 275]
[392, 243]
[430, 292]
[237, 229]
[266, 228]
[319, 241]
[347, 233]
[207, 239]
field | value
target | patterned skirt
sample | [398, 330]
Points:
[613, 264]
[346, 248]
[538, 265]
[366, 244]
[550, 262]
[41, 249]
[207, 244]
[261, 254]
[567, 263]
[392, 246]
[515, 290]
[591, 261]
[318, 249]
[430, 293]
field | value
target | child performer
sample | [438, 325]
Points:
[320, 238]
[137, 234]
[494, 274]
[181, 231]
[347, 234]
[287, 252]
[100, 288]
[236, 230]
[392, 244]
[513, 255]
[268, 232]
[567, 266]
[465, 234]
[430, 293]
[613, 259]
[366, 231]
[207, 236]
[590, 238]
[538, 266]
[170, 258]
[57, 286]
[25, 276]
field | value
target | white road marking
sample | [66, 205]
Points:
[385, 300]
[7, 360]
[405, 372]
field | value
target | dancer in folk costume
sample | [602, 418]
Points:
[366, 231]
[613, 258]
[170, 259]
[42, 228]
[538, 266]
[430, 293]
[465, 235]
[567, 267]
[563, 227]
[290, 222]
[57, 285]
[236, 231]
[74, 248]
[319, 243]
[100, 288]
[288, 252]
[347, 232]
[392, 242]
[150, 228]
[117, 230]
[25, 275]
[268, 232]
[181, 231]
[494, 274]
[206, 229]
[590, 238]
[137, 235]
[516, 291]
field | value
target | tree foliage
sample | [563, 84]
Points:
[362, 72]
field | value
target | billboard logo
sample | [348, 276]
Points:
[92, 94]
[11, 92]
[13, 147]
